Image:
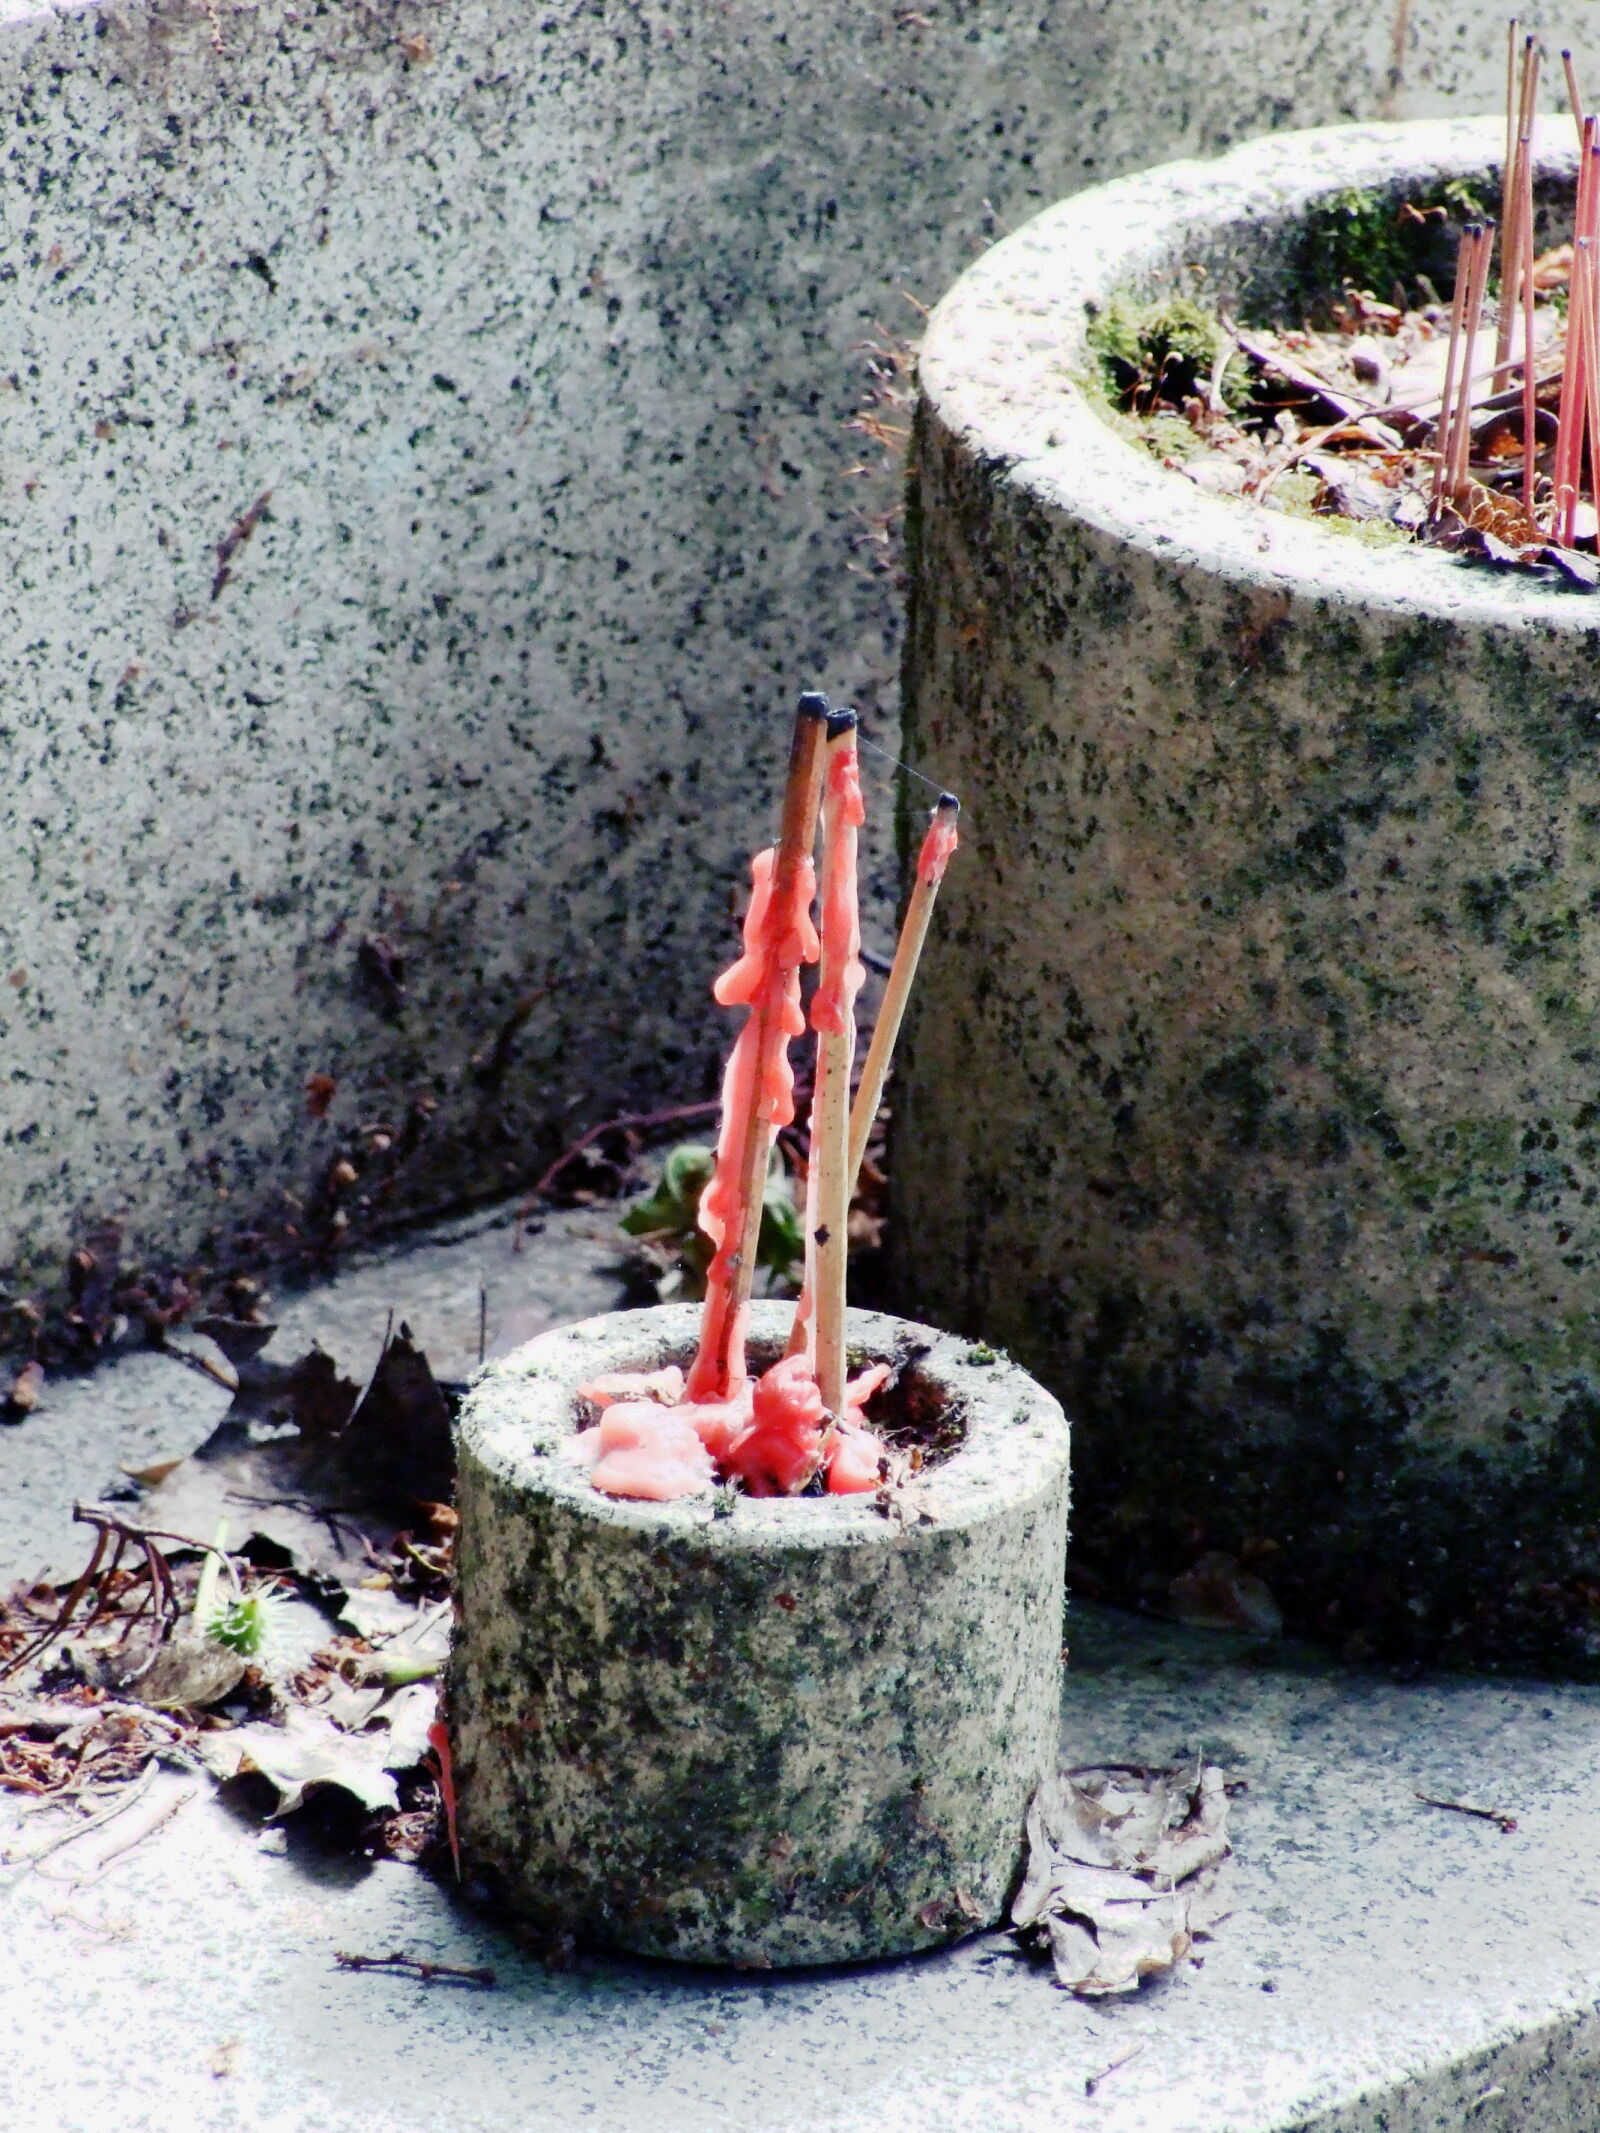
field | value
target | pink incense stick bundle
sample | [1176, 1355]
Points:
[1573, 415]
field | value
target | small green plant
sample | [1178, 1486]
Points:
[1166, 350]
[667, 1228]
[243, 1625]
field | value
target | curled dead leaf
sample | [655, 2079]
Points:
[1124, 1872]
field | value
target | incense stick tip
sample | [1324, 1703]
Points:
[813, 704]
[948, 804]
[841, 722]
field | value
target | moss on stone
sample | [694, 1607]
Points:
[1378, 240]
[1171, 345]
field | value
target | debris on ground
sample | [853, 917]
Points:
[1340, 419]
[1126, 1869]
[167, 1647]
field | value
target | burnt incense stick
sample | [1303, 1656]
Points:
[1530, 384]
[937, 847]
[797, 838]
[1570, 421]
[833, 1015]
[1444, 429]
[716, 1367]
[1471, 325]
[1521, 95]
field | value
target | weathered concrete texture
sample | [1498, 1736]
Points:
[1426, 1972]
[540, 325]
[787, 1730]
[1388, 1968]
[1273, 950]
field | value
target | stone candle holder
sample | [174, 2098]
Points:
[762, 1732]
[1286, 883]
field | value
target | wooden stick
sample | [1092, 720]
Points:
[1589, 319]
[796, 841]
[829, 1239]
[1530, 384]
[1570, 419]
[937, 846]
[1516, 109]
[907, 954]
[1444, 429]
[1574, 96]
[1461, 435]
[725, 1302]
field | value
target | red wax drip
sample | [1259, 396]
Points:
[782, 1449]
[841, 913]
[938, 847]
[759, 1082]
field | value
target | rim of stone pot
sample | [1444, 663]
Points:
[519, 1412]
[998, 366]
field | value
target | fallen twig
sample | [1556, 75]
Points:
[163, 1812]
[70, 1836]
[415, 1966]
[1106, 2072]
[631, 1121]
[1503, 1822]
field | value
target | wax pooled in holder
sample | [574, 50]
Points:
[841, 914]
[854, 1460]
[782, 1448]
[758, 1082]
[644, 1450]
[773, 1435]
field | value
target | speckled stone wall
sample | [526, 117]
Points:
[1272, 958]
[423, 484]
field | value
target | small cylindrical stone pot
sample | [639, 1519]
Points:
[1252, 1088]
[755, 1731]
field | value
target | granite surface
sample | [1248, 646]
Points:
[1388, 1967]
[774, 1731]
[1273, 951]
[424, 482]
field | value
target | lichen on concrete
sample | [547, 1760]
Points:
[1274, 955]
[796, 1730]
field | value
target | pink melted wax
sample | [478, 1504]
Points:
[759, 1082]
[661, 1436]
[841, 911]
[653, 1445]
[938, 847]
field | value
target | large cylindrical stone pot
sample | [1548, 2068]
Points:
[1253, 1086]
[760, 1732]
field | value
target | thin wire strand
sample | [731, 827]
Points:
[932, 784]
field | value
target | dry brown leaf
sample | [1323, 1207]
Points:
[1217, 1594]
[1125, 1869]
[309, 1750]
